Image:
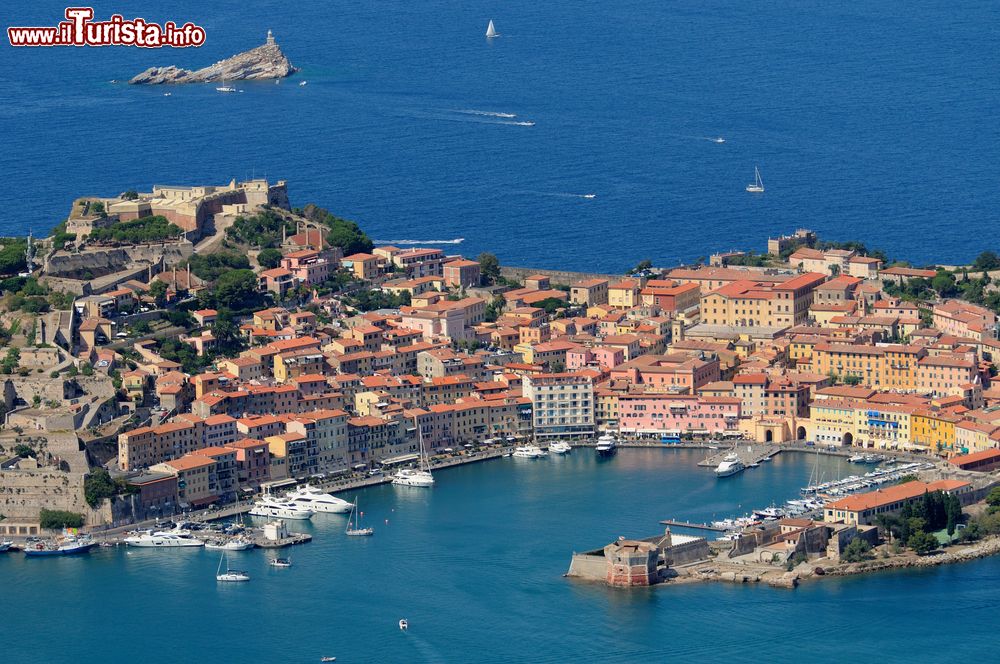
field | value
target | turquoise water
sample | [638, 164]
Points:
[869, 120]
[475, 565]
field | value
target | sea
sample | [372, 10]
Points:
[475, 565]
[872, 121]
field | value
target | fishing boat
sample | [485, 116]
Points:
[420, 476]
[66, 545]
[491, 31]
[354, 528]
[230, 575]
[757, 187]
[280, 562]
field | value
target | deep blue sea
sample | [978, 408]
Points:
[869, 120]
[475, 565]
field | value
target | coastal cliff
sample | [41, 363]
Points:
[258, 64]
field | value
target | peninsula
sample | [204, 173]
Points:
[258, 64]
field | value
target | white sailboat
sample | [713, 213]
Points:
[757, 187]
[491, 32]
[225, 88]
[420, 476]
[354, 528]
[230, 574]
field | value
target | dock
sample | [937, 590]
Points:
[688, 524]
[748, 454]
[292, 539]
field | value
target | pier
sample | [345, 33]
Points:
[695, 526]
[749, 454]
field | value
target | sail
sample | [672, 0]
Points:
[490, 30]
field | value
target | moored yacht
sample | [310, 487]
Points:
[413, 477]
[730, 465]
[310, 497]
[529, 452]
[235, 544]
[560, 447]
[230, 574]
[606, 445]
[273, 507]
[162, 539]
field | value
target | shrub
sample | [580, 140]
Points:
[55, 519]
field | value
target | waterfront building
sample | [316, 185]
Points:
[589, 292]
[656, 413]
[624, 294]
[461, 273]
[863, 508]
[562, 404]
[196, 486]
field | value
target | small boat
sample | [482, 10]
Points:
[857, 458]
[758, 185]
[560, 447]
[280, 562]
[771, 512]
[303, 83]
[167, 94]
[491, 31]
[354, 528]
[230, 575]
[606, 445]
[590, 195]
[5, 546]
[225, 88]
[730, 465]
[403, 624]
[718, 139]
[328, 659]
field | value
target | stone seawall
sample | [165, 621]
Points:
[558, 277]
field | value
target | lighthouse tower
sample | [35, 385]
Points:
[270, 39]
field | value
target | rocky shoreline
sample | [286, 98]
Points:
[263, 63]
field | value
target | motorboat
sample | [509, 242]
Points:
[354, 528]
[771, 512]
[303, 83]
[560, 447]
[404, 624]
[270, 506]
[857, 458]
[310, 497]
[62, 546]
[606, 445]
[413, 477]
[757, 187]
[718, 139]
[730, 465]
[235, 544]
[231, 575]
[280, 562]
[328, 659]
[529, 452]
[5, 546]
[163, 539]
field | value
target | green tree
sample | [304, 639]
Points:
[155, 228]
[922, 542]
[944, 283]
[856, 551]
[987, 260]
[55, 519]
[12, 259]
[269, 258]
[158, 291]
[235, 290]
[993, 498]
[342, 233]
[953, 509]
[97, 486]
[489, 267]
[130, 195]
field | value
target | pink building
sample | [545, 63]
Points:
[666, 413]
[307, 266]
[582, 358]
[674, 372]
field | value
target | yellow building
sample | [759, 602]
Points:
[624, 294]
[833, 421]
[934, 430]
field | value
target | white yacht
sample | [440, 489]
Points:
[757, 187]
[163, 539]
[560, 447]
[312, 498]
[491, 31]
[5, 546]
[606, 445]
[354, 528]
[529, 452]
[225, 88]
[730, 465]
[421, 475]
[270, 506]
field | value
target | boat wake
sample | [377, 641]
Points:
[457, 240]
[557, 194]
[491, 114]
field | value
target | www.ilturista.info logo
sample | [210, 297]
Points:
[79, 29]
